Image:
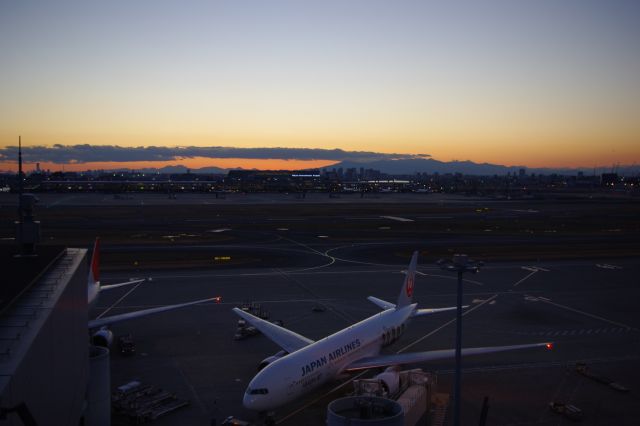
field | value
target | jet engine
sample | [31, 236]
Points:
[271, 359]
[390, 379]
[102, 337]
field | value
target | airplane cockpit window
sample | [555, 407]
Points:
[260, 391]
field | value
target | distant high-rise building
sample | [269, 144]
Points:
[38, 167]
[609, 179]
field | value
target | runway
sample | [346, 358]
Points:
[588, 310]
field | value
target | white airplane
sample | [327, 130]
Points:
[102, 336]
[303, 365]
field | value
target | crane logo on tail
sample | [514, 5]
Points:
[409, 287]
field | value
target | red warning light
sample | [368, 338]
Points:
[218, 299]
[549, 346]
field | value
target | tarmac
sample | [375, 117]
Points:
[587, 308]
[562, 270]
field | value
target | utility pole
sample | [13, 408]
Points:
[27, 229]
[460, 264]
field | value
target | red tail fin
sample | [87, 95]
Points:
[95, 260]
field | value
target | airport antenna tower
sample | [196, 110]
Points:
[27, 229]
[460, 264]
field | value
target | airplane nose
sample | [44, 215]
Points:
[252, 402]
[256, 402]
[248, 401]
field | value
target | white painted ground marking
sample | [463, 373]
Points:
[118, 301]
[453, 277]
[528, 275]
[534, 268]
[607, 266]
[466, 312]
[200, 404]
[399, 219]
[619, 324]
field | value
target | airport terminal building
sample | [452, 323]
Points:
[44, 351]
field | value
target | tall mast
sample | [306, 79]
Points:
[20, 178]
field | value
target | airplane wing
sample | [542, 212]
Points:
[427, 311]
[419, 357]
[417, 313]
[286, 339]
[381, 303]
[110, 286]
[102, 322]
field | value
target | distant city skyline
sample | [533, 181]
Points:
[82, 158]
[533, 84]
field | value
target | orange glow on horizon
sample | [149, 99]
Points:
[190, 163]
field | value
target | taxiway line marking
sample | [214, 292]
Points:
[228, 303]
[468, 311]
[118, 301]
[619, 324]
[398, 219]
[61, 200]
[450, 277]
[342, 315]
[435, 217]
[305, 246]
[529, 275]
[192, 389]
[326, 253]
[542, 364]
[331, 262]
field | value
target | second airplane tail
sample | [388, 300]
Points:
[94, 268]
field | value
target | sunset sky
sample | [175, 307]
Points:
[546, 83]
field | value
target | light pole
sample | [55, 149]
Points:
[460, 264]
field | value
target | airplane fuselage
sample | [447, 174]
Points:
[302, 371]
